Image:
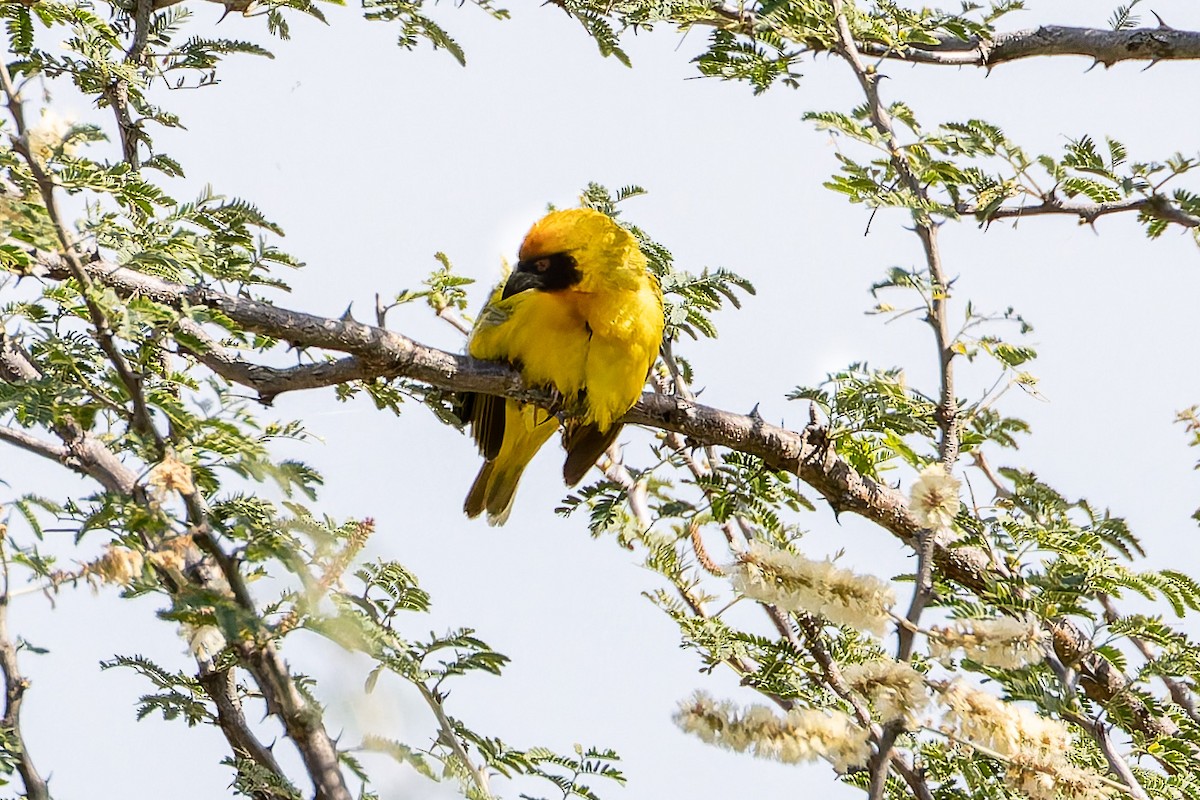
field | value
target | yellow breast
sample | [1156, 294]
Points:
[544, 335]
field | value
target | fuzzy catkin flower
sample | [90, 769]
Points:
[795, 583]
[1045, 776]
[1004, 642]
[119, 565]
[170, 475]
[934, 499]
[895, 689]
[798, 736]
[204, 641]
[172, 554]
[1034, 747]
[1004, 727]
[49, 135]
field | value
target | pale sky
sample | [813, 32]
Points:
[373, 159]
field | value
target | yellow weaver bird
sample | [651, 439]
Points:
[581, 315]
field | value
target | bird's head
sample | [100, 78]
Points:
[573, 249]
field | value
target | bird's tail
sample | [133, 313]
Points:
[526, 429]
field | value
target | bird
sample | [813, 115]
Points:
[580, 316]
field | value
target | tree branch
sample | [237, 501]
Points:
[1181, 693]
[267, 381]
[14, 363]
[218, 684]
[116, 93]
[300, 719]
[15, 686]
[806, 453]
[1103, 46]
[947, 410]
[1157, 206]
[1116, 763]
[34, 445]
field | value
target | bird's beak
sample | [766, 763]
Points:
[522, 281]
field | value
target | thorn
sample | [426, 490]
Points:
[1162, 26]
[1095, 61]
[1151, 64]
[754, 415]
[348, 314]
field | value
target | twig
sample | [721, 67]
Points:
[35, 445]
[947, 409]
[15, 686]
[922, 594]
[1106, 47]
[635, 490]
[985, 466]
[449, 736]
[117, 92]
[1180, 692]
[991, 753]
[1157, 206]
[915, 778]
[1099, 733]
[15, 365]
[218, 684]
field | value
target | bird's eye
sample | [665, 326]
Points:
[542, 264]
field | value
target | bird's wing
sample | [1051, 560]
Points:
[484, 414]
[585, 443]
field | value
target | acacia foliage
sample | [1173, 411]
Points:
[112, 385]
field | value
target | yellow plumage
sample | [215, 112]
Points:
[581, 315]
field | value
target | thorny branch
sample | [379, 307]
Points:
[1181, 693]
[947, 410]
[1106, 47]
[219, 685]
[15, 685]
[1156, 206]
[383, 354]
[1116, 763]
[449, 736]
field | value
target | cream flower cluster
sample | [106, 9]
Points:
[795, 583]
[48, 135]
[1004, 642]
[1035, 747]
[204, 641]
[895, 689]
[799, 735]
[119, 565]
[934, 498]
[170, 475]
